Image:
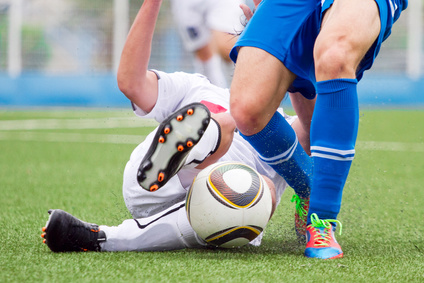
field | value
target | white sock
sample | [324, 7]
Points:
[207, 145]
[167, 230]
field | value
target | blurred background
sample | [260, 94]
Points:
[66, 53]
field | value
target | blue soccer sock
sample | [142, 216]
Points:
[278, 146]
[334, 130]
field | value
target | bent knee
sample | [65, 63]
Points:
[249, 119]
[226, 122]
[335, 59]
[227, 127]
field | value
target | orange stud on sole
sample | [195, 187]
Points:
[180, 117]
[161, 140]
[180, 148]
[154, 188]
[161, 176]
[190, 111]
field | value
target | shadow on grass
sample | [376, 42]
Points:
[272, 247]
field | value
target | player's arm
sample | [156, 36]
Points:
[271, 186]
[134, 80]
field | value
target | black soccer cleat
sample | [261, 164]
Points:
[66, 233]
[171, 145]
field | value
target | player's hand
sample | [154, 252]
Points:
[248, 13]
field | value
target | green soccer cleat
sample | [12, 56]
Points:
[300, 217]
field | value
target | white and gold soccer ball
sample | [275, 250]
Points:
[229, 204]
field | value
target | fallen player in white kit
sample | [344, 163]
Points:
[195, 131]
[160, 221]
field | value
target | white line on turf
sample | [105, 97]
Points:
[136, 139]
[390, 146]
[51, 124]
[71, 137]
[21, 130]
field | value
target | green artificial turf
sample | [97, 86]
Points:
[80, 170]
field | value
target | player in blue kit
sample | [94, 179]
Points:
[308, 47]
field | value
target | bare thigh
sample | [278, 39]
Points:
[349, 29]
[223, 42]
[259, 85]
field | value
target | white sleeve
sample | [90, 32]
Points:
[179, 89]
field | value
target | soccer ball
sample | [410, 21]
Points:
[229, 204]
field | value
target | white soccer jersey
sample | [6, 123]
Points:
[179, 89]
[160, 220]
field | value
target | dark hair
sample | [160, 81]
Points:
[244, 21]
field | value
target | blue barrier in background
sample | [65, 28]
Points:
[375, 91]
[391, 91]
[75, 91]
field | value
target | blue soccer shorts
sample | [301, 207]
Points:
[288, 29]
